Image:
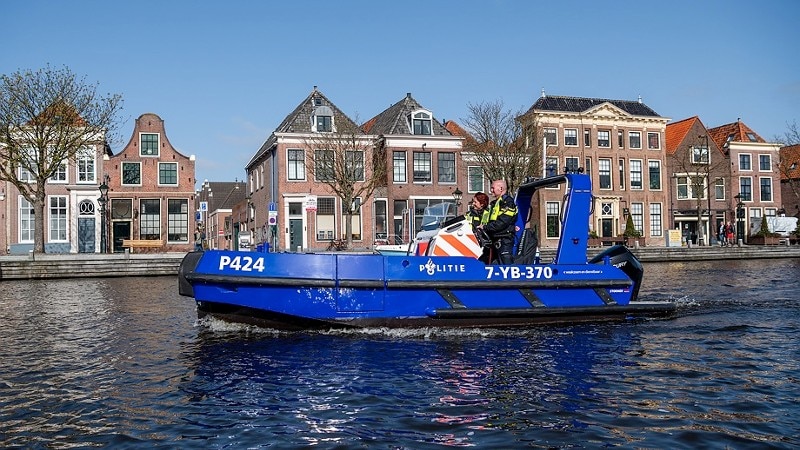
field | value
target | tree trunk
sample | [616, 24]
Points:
[348, 229]
[40, 230]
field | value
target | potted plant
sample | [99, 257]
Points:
[764, 236]
[594, 239]
[795, 235]
[631, 234]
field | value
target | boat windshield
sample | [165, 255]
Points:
[435, 215]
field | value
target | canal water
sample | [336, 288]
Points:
[124, 363]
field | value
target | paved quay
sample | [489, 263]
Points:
[45, 266]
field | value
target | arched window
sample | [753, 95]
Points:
[421, 122]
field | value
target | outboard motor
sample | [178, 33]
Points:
[621, 258]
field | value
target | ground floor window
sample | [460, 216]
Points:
[178, 220]
[150, 219]
[58, 219]
[26, 220]
[656, 227]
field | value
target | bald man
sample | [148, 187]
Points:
[502, 223]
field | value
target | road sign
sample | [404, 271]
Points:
[273, 217]
[203, 206]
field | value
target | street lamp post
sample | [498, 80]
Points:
[457, 195]
[103, 201]
[739, 219]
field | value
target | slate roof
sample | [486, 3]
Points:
[299, 121]
[394, 120]
[225, 194]
[581, 104]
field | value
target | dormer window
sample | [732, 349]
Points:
[323, 119]
[421, 123]
[752, 137]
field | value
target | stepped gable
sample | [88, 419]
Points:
[394, 120]
[581, 104]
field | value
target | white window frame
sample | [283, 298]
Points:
[122, 173]
[603, 138]
[749, 158]
[657, 137]
[761, 189]
[570, 134]
[177, 176]
[600, 170]
[158, 145]
[86, 166]
[399, 167]
[26, 221]
[422, 117]
[701, 155]
[475, 178]
[550, 136]
[769, 163]
[638, 143]
[60, 219]
[635, 169]
[296, 168]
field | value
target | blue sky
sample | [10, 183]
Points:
[223, 75]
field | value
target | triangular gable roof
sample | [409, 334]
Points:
[581, 104]
[790, 155]
[299, 121]
[676, 133]
[393, 120]
[733, 132]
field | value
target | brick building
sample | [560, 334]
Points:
[422, 158]
[151, 195]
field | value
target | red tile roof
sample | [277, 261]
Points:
[738, 132]
[790, 162]
[676, 133]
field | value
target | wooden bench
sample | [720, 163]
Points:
[142, 243]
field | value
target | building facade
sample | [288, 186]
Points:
[216, 219]
[621, 145]
[73, 220]
[754, 173]
[151, 195]
[700, 192]
[291, 206]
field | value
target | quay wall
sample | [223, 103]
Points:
[45, 266]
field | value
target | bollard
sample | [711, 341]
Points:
[740, 243]
[299, 248]
[636, 244]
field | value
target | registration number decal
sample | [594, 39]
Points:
[241, 263]
[519, 273]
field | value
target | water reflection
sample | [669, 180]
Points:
[124, 363]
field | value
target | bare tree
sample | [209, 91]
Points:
[349, 164]
[46, 117]
[501, 145]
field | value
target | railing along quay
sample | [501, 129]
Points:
[45, 266]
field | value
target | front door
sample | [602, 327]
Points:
[295, 234]
[606, 227]
[86, 234]
[122, 230]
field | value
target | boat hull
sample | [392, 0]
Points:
[312, 291]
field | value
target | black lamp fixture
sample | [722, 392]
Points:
[103, 201]
[457, 195]
[739, 217]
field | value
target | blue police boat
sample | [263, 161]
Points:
[440, 284]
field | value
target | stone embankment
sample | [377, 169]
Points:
[166, 264]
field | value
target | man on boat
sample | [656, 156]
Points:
[502, 223]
